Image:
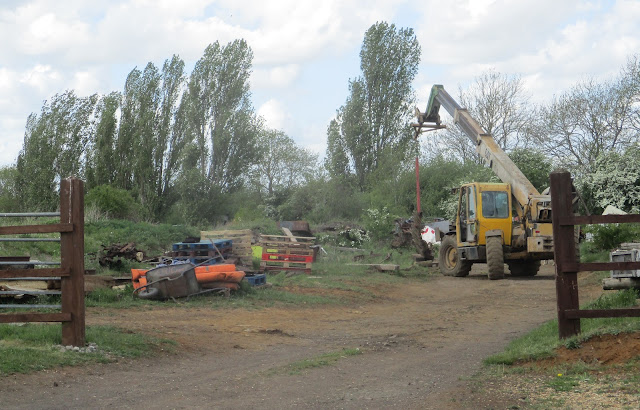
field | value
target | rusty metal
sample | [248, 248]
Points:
[567, 265]
[171, 281]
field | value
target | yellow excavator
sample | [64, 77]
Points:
[496, 223]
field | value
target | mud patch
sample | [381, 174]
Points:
[600, 350]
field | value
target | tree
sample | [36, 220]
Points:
[615, 180]
[151, 136]
[103, 156]
[221, 119]
[534, 164]
[9, 200]
[585, 122]
[374, 122]
[282, 165]
[55, 147]
[498, 103]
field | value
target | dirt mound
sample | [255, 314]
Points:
[603, 349]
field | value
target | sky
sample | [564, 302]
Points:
[305, 52]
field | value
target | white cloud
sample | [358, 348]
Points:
[278, 77]
[274, 115]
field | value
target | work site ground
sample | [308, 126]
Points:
[415, 344]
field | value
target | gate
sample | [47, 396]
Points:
[70, 270]
[567, 263]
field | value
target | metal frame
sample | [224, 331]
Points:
[71, 270]
[567, 263]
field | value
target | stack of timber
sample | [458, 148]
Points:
[241, 248]
[209, 252]
[294, 253]
[223, 275]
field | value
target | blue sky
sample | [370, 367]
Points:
[304, 51]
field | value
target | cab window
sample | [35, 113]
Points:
[495, 204]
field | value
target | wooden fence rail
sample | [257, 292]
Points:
[71, 270]
[567, 263]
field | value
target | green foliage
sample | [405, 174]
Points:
[54, 147]
[220, 115]
[615, 180]
[379, 223]
[281, 164]
[609, 237]
[9, 191]
[373, 124]
[115, 202]
[534, 164]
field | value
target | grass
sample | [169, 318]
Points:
[541, 342]
[323, 360]
[30, 347]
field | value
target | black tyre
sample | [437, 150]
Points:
[495, 257]
[449, 259]
[524, 268]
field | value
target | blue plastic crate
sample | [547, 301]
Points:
[257, 280]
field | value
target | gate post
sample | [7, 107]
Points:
[564, 248]
[72, 258]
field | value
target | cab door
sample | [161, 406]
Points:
[467, 217]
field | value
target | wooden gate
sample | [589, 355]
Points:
[567, 263]
[71, 265]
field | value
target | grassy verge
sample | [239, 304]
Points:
[30, 347]
[541, 342]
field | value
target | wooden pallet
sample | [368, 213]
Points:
[287, 239]
[241, 248]
[274, 257]
[272, 265]
[288, 250]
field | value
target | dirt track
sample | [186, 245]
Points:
[420, 343]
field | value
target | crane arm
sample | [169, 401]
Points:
[486, 146]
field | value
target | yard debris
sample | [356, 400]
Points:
[380, 267]
[112, 255]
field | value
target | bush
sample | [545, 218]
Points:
[378, 223]
[610, 236]
[115, 202]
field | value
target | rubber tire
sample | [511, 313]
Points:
[149, 293]
[449, 259]
[495, 257]
[524, 268]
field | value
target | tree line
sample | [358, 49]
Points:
[190, 148]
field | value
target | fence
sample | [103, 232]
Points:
[71, 265]
[567, 263]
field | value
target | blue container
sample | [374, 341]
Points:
[256, 280]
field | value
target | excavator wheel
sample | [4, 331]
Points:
[449, 259]
[495, 257]
[524, 268]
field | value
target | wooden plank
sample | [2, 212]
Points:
[598, 219]
[34, 273]
[382, 267]
[34, 317]
[280, 238]
[239, 232]
[289, 234]
[600, 313]
[17, 230]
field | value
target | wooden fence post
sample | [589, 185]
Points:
[564, 253]
[72, 258]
